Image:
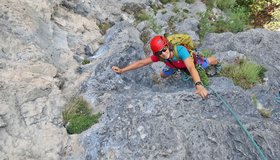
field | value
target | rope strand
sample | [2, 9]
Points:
[240, 124]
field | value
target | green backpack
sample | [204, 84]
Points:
[186, 41]
[183, 40]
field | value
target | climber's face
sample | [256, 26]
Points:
[164, 53]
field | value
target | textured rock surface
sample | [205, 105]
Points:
[38, 76]
[148, 119]
[42, 46]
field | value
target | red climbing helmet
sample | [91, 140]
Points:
[157, 43]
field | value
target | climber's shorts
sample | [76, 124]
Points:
[203, 63]
[167, 71]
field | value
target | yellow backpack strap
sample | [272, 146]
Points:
[175, 51]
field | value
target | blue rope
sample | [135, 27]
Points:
[186, 78]
[241, 125]
[277, 98]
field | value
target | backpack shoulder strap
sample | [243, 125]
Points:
[175, 51]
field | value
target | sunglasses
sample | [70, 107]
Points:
[161, 51]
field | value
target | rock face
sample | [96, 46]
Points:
[148, 119]
[42, 46]
[38, 75]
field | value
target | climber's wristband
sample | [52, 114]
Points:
[198, 83]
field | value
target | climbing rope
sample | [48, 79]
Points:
[277, 98]
[185, 77]
[227, 105]
[240, 124]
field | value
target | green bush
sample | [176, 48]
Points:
[221, 25]
[85, 61]
[78, 116]
[171, 23]
[225, 4]
[154, 25]
[238, 20]
[258, 6]
[245, 73]
[209, 3]
[167, 1]
[240, 15]
[235, 22]
[104, 27]
[274, 24]
[176, 9]
[206, 53]
[163, 12]
[245, 3]
[203, 75]
[142, 16]
[78, 123]
[205, 25]
[155, 6]
[189, 1]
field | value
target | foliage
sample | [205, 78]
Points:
[244, 3]
[206, 53]
[171, 22]
[85, 61]
[167, 1]
[238, 20]
[104, 27]
[164, 12]
[190, 1]
[78, 116]
[155, 6]
[205, 25]
[258, 5]
[209, 3]
[203, 75]
[245, 73]
[225, 5]
[275, 23]
[176, 9]
[277, 2]
[142, 16]
[274, 26]
[235, 22]
[262, 12]
[221, 25]
[154, 26]
[239, 14]
[221, 4]
[179, 17]
[81, 123]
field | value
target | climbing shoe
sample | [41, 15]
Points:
[213, 70]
